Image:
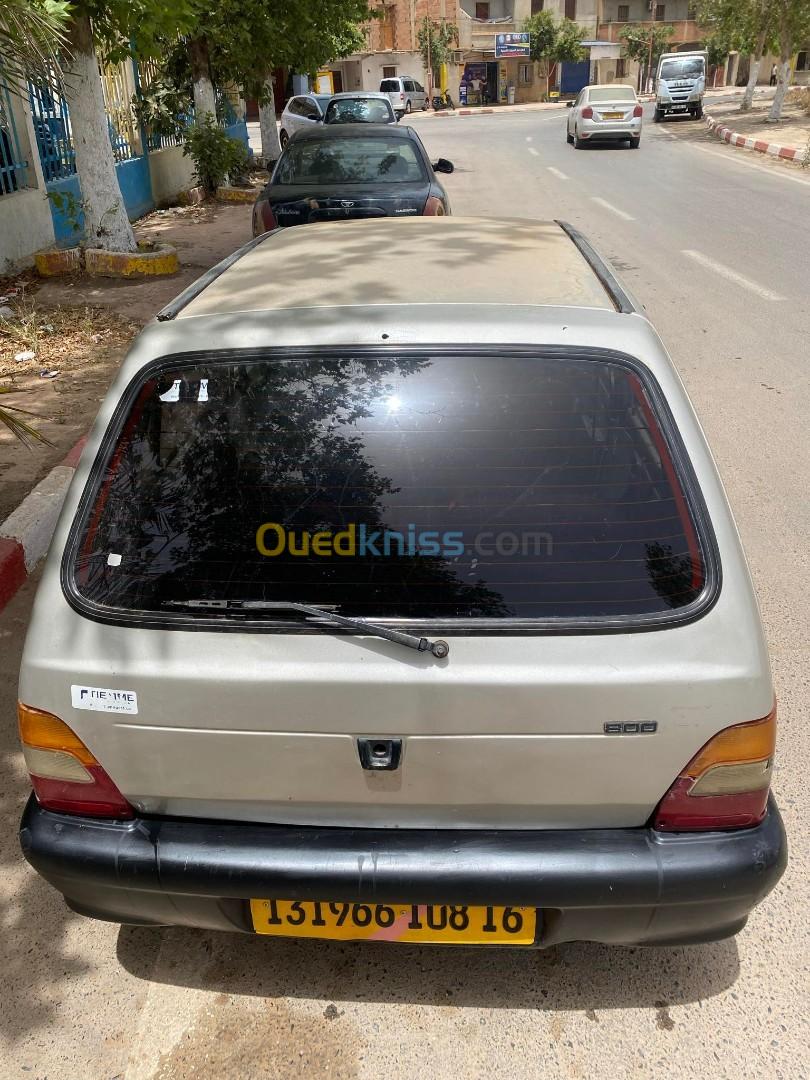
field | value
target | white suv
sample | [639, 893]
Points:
[375, 611]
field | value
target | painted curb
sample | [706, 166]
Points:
[55, 261]
[26, 533]
[733, 138]
[158, 263]
[229, 194]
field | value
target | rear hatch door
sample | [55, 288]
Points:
[535, 510]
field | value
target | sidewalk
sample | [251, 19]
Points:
[81, 327]
[788, 138]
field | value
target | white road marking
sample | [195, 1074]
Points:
[748, 163]
[732, 275]
[557, 172]
[532, 150]
[613, 209]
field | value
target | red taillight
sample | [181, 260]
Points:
[434, 207]
[638, 111]
[268, 218]
[587, 113]
[64, 773]
[401, 96]
[725, 786]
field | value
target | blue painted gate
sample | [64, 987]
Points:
[574, 76]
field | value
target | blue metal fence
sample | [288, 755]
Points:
[49, 113]
[13, 169]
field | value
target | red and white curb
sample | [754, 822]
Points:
[26, 533]
[790, 153]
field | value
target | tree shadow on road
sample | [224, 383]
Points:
[571, 977]
[35, 959]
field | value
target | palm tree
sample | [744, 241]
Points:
[32, 36]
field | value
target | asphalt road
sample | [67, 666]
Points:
[715, 244]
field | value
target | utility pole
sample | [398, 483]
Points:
[648, 87]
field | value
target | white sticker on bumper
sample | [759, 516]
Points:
[97, 699]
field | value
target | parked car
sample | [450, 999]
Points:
[605, 113]
[302, 113]
[359, 107]
[396, 596]
[405, 93]
[338, 172]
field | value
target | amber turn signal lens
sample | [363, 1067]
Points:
[43, 731]
[736, 745]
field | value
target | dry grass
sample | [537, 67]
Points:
[62, 339]
[800, 95]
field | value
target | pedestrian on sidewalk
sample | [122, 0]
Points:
[773, 75]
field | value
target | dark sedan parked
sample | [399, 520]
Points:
[335, 172]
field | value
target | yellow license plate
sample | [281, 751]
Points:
[612, 116]
[445, 924]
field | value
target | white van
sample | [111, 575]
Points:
[405, 94]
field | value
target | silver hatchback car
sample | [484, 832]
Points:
[402, 616]
[605, 114]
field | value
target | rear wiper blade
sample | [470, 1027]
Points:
[439, 649]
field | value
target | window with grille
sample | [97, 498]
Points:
[624, 13]
[13, 169]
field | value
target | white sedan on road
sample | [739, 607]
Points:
[605, 112]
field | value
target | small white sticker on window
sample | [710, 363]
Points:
[113, 559]
[173, 393]
[203, 394]
[98, 699]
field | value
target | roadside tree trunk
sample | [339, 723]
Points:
[105, 215]
[753, 73]
[783, 81]
[203, 88]
[271, 147]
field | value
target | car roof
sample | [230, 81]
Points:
[439, 261]
[361, 94]
[611, 86]
[349, 131]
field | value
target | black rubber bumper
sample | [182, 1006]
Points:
[621, 886]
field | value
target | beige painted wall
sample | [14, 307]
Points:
[26, 224]
[171, 173]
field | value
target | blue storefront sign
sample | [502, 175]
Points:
[518, 45]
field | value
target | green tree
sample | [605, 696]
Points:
[748, 25]
[644, 43]
[792, 28]
[107, 31]
[242, 41]
[555, 41]
[32, 37]
[435, 42]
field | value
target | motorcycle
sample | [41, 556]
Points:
[443, 101]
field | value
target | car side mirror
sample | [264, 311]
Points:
[569, 104]
[444, 166]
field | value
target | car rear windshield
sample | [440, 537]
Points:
[409, 486]
[359, 111]
[611, 93]
[389, 86]
[350, 161]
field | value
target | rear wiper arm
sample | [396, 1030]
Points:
[439, 649]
